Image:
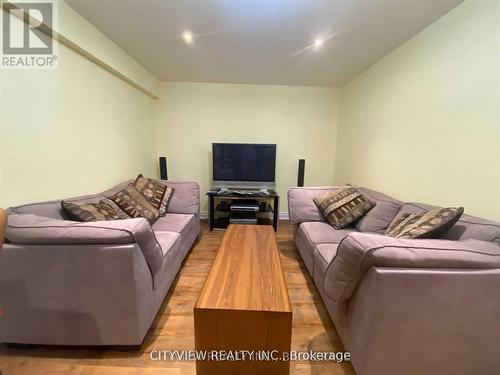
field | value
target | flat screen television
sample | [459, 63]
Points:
[243, 165]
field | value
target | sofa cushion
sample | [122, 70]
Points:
[156, 193]
[427, 224]
[327, 251]
[361, 251]
[379, 217]
[344, 206]
[467, 227]
[131, 201]
[323, 256]
[178, 223]
[321, 232]
[166, 240]
[32, 229]
[106, 209]
[311, 234]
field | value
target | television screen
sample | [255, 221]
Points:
[244, 162]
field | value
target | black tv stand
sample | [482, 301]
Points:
[250, 207]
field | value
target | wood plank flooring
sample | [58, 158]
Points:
[173, 327]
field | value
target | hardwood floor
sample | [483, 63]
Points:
[173, 328]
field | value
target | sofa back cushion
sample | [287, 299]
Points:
[49, 210]
[185, 199]
[468, 227]
[301, 206]
[104, 210]
[53, 210]
[377, 220]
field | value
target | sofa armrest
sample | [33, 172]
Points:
[434, 315]
[301, 207]
[70, 294]
[33, 229]
[358, 252]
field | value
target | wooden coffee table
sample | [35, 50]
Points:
[244, 306]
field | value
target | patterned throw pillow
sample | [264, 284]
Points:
[156, 193]
[106, 209]
[427, 224]
[343, 206]
[396, 223]
[131, 201]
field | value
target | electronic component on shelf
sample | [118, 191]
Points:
[244, 207]
[233, 220]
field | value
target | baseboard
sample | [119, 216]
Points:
[204, 215]
[284, 216]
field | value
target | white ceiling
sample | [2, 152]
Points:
[260, 41]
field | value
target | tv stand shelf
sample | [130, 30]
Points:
[221, 215]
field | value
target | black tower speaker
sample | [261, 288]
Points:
[163, 168]
[302, 167]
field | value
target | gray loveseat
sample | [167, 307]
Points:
[400, 306]
[96, 283]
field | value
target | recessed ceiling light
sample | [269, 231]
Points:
[187, 36]
[318, 43]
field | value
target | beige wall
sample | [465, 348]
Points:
[423, 124]
[302, 121]
[74, 130]
[79, 31]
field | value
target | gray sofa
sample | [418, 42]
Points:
[421, 306]
[96, 283]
